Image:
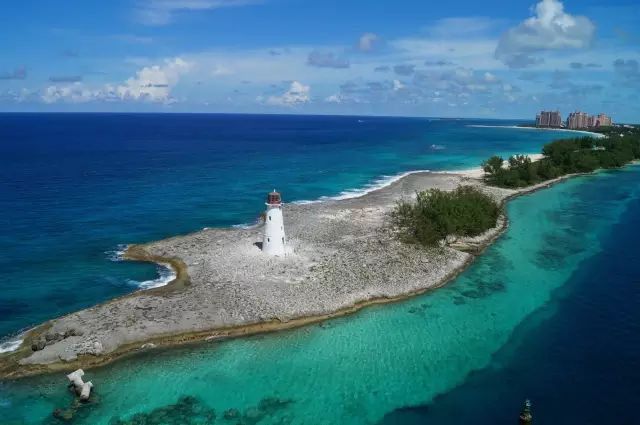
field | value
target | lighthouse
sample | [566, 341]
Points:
[274, 239]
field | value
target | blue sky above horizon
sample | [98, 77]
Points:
[406, 57]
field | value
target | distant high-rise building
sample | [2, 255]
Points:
[577, 120]
[602, 120]
[549, 119]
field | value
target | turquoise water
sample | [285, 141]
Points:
[76, 187]
[359, 368]
[577, 356]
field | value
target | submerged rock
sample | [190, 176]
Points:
[188, 410]
[271, 404]
[252, 416]
[231, 414]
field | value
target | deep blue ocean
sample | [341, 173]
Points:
[549, 312]
[76, 187]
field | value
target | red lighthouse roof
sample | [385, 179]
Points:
[274, 198]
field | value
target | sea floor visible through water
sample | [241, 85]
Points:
[442, 357]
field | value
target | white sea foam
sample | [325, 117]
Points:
[117, 254]
[165, 275]
[377, 184]
[591, 133]
[12, 344]
[384, 181]
[246, 226]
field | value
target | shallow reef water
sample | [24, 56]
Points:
[469, 352]
[392, 362]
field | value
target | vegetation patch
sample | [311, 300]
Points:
[436, 214]
[562, 157]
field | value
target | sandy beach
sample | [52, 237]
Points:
[519, 127]
[342, 257]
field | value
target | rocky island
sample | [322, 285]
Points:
[343, 256]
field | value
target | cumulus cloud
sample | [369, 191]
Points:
[154, 83]
[368, 42]
[458, 83]
[17, 74]
[550, 29]
[368, 92]
[296, 94]
[151, 84]
[490, 78]
[322, 59]
[162, 12]
[404, 69]
[334, 98]
[22, 95]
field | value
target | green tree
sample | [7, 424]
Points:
[493, 165]
[435, 214]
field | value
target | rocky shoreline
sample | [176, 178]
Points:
[343, 258]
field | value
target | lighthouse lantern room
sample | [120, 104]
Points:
[274, 239]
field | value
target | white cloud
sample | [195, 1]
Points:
[368, 41]
[23, 95]
[297, 94]
[490, 78]
[334, 98]
[74, 93]
[550, 29]
[151, 83]
[154, 83]
[161, 12]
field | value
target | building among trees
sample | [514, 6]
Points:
[575, 120]
[578, 119]
[549, 119]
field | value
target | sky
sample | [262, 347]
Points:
[484, 59]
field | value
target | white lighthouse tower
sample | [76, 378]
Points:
[274, 240]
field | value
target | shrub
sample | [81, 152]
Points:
[436, 214]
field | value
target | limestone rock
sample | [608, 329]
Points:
[86, 391]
